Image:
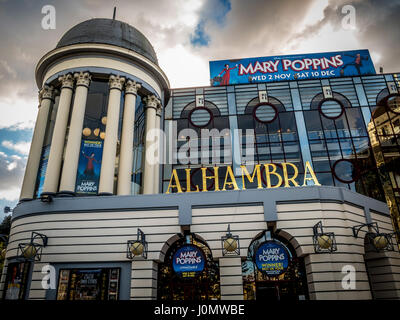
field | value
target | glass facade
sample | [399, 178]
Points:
[347, 128]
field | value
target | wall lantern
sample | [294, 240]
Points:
[230, 243]
[32, 251]
[47, 197]
[137, 247]
[323, 241]
[4, 239]
[380, 241]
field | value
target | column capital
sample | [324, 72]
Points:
[82, 79]
[152, 101]
[116, 82]
[67, 81]
[131, 87]
[159, 110]
[47, 92]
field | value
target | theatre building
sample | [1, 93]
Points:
[279, 181]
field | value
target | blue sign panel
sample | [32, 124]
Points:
[188, 261]
[271, 258]
[42, 169]
[88, 176]
[291, 67]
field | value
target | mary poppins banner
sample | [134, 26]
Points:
[291, 67]
[87, 180]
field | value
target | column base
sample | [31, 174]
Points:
[105, 194]
[66, 193]
[25, 200]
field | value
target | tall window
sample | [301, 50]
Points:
[274, 134]
[202, 150]
[339, 144]
[138, 147]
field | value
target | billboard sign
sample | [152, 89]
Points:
[88, 175]
[291, 67]
[188, 261]
[271, 258]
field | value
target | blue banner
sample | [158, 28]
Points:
[271, 258]
[88, 175]
[188, 261]
[42, 169]
[291, 67]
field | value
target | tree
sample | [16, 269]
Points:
[6, 225]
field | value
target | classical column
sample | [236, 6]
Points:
[126, 150]
[35, 152]
[106, 185]
[58, 140]
[68, 176]
[158, 158]
[152, 103]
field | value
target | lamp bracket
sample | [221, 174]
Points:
[372, 225]
[37, 235]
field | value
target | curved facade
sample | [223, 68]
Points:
[110, 206]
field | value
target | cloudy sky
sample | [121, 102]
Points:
[186, 34]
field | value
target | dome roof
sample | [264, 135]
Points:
[108, 31]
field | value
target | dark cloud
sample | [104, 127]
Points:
[377, 27]
[255, 28]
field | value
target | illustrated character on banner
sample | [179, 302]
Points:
[89, 170]
[227, 75]
[357, 63]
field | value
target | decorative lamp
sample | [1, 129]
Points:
[230, 243]
[380, 241]
[137, 247]
[323, 241]
[32, 251]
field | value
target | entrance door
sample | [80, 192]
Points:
[267, 291]
[264, 285]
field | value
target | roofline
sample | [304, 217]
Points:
[52, 56]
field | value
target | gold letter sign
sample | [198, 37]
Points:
[287, 180]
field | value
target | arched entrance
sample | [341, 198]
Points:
[178, 278]
[272, 271]
[378, 264]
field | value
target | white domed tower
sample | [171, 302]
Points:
[101, 91]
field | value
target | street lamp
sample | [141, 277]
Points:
[137, 247]
[230, 243]
[323, 241]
